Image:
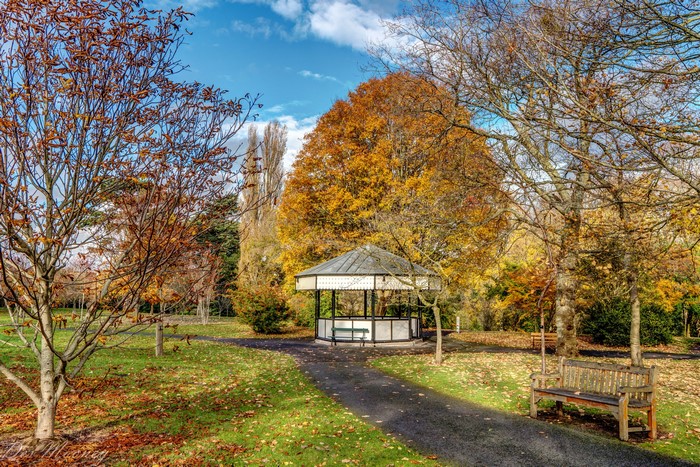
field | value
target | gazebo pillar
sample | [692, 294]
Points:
[420, 315]
[332, 309]
[317, 310]
[364, 304]
[374, 324]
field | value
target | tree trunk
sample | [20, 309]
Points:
[629, 261]
[159, 338]
[203, 304]
[635, 339]
[82, 306]
[46, 410]
[46, 416]
[635, 321]
[438, 327]
[565, 313]
[566, 280]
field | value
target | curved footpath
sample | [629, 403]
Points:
[456, 431]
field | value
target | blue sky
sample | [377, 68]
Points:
[299, 55]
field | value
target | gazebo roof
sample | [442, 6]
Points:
[367, 268]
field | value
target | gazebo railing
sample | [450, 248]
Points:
[382, 329]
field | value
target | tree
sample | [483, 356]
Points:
[451, 220]
[657, 78]
[500, 61]
[660, 67]
[107, 164]
[222, 241]
[540, 80]
[258, 265]
[525, 295]
[381, 168]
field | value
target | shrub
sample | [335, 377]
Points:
[657, 325]
[609, 323]
[302, 310]
[264, 309]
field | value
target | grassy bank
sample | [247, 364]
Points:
[501, 381]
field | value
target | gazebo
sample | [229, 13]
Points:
[373, 273]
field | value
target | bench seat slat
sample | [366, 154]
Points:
[550, 340]
[603, 399]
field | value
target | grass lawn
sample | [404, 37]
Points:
[205, 404]
[229, 327]
[501, 381]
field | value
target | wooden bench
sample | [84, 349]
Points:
[616, 388]
[550, 340]
[352, 332]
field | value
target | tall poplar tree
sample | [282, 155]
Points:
[264, 173]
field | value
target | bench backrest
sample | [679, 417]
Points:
[605, 378]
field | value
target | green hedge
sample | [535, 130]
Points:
[609, 324]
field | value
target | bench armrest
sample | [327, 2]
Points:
[626, 389]
[545, 376]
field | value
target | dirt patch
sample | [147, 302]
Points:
[602, 423]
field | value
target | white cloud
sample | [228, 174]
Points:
[345, 23]
[289, 9]
[192, 6]
[353, 23]
[275, 109]
[261, 27]
[296, 131]
[318, 76]
[281, 108]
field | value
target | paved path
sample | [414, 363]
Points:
[457, 432]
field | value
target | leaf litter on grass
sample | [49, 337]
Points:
[501, 381]
[209, 404]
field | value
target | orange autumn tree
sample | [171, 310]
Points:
[524, 294]
[106, 164]
[382, 167]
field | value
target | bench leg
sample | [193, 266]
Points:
[651, 419]
[623, 416]
[560, 409]
[533, 405]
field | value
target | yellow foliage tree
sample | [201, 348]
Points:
[382, 167]
[377, 152]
